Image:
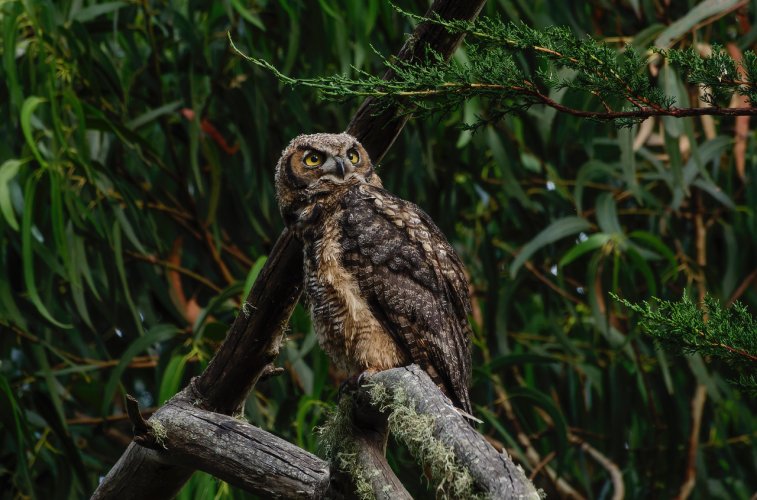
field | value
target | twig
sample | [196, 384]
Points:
[544, 461]
[141, 428]
[87, 420]
[562, 486]
[173, 267]
[616, 475]
[742, 288]
[690, 477]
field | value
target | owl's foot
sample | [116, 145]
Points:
[353, 383]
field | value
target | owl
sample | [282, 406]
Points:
[382, 284]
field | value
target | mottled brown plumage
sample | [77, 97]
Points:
[383, 285]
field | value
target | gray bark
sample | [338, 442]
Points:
[239, 453]
[493, 472]
[181, 437]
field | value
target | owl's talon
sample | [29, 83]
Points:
[362, 376]
[353, 383]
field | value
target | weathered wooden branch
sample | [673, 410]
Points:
[253, 340]
[238, 453]
[494, 473]
[184, 437]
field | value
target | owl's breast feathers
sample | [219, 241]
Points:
[386, 289]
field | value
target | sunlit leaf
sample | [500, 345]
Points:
[172, 377]
[591, 243]
[30, 104]
[8, 171]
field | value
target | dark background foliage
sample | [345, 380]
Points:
[137, 205]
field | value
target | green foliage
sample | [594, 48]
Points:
[717, 74]
[136, 197]
[617, 79]
[708, 329]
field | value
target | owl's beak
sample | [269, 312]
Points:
[338, 167]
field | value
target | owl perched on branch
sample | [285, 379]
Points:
[383, 285]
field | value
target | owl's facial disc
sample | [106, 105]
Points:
[334, 167]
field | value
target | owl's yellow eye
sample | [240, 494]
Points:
[353, 156]
[313, 159]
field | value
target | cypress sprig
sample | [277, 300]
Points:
[618, 79]
[728, 334]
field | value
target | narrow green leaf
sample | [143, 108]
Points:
[710, 188]
[495, 421]
[53, 387]
[640, 265]
[694, 16]
[305, 406]
[591, 243]
[656, 243]
[27, 254]
[151, 115]
[545, 403]
[27, 109]
[8, 309]
[11, 11]
[503, 161]
[128, 230]
[607, 215]
[214, 304]
[93, 11]
[82, 265]
[172, 377]
[252, 276]
[673, 88]
[8, 171]
[589, 170]
[57, 220]
[248, 15]
[119, 259]
[557, 230]
[157, 334]
[21, 436]
[500, 362]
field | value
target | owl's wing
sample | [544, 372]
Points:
[413, 281]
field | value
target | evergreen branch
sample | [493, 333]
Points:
[434, 85]
[709, 329]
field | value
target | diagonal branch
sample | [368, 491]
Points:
[253, 340]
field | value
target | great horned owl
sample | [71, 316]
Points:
[383, 285]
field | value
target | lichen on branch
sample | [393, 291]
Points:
[415, 431]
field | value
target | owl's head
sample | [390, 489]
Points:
[313, 165]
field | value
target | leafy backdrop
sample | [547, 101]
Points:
[137, 205]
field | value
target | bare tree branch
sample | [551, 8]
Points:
[493, 472]
[185, 437]
[239, 453]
